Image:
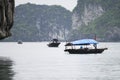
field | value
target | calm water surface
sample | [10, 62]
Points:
[35, 61]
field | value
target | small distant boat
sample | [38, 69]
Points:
[20, 42]
[54, 43]
[85, 49]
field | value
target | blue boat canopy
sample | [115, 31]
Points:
[84, 42]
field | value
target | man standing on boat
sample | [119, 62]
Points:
[95, 46]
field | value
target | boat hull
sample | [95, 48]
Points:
[85, 51]
[53, 44]
[19, 42]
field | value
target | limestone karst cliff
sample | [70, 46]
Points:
[85, 13]
[100, 17]
[89, 18]
[40, 22]
[6, 17]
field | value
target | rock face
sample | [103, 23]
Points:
[40, 23]
[6, 17]
[88, 13]
[100, 17]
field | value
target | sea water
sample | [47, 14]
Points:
[37, 61]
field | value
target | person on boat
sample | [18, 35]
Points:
[95, 46]
[81, 47]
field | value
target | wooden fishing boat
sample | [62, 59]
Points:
[54, 43]
[84, 50]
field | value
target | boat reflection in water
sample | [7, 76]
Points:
[6, 72]
[54, 43]
[83, 47]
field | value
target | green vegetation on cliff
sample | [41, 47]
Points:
[106, 26]
[40, 22]
[90, 17]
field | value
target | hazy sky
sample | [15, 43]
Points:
[68, 4]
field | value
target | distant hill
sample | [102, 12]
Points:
[100, 17]
[40, 23]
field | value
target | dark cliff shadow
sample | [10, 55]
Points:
[6, 72]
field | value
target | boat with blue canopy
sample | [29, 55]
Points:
[83, 47]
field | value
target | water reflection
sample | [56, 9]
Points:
[6, 72]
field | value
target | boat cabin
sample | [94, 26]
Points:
[54, 43]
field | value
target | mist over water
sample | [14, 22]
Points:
[36, 61]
